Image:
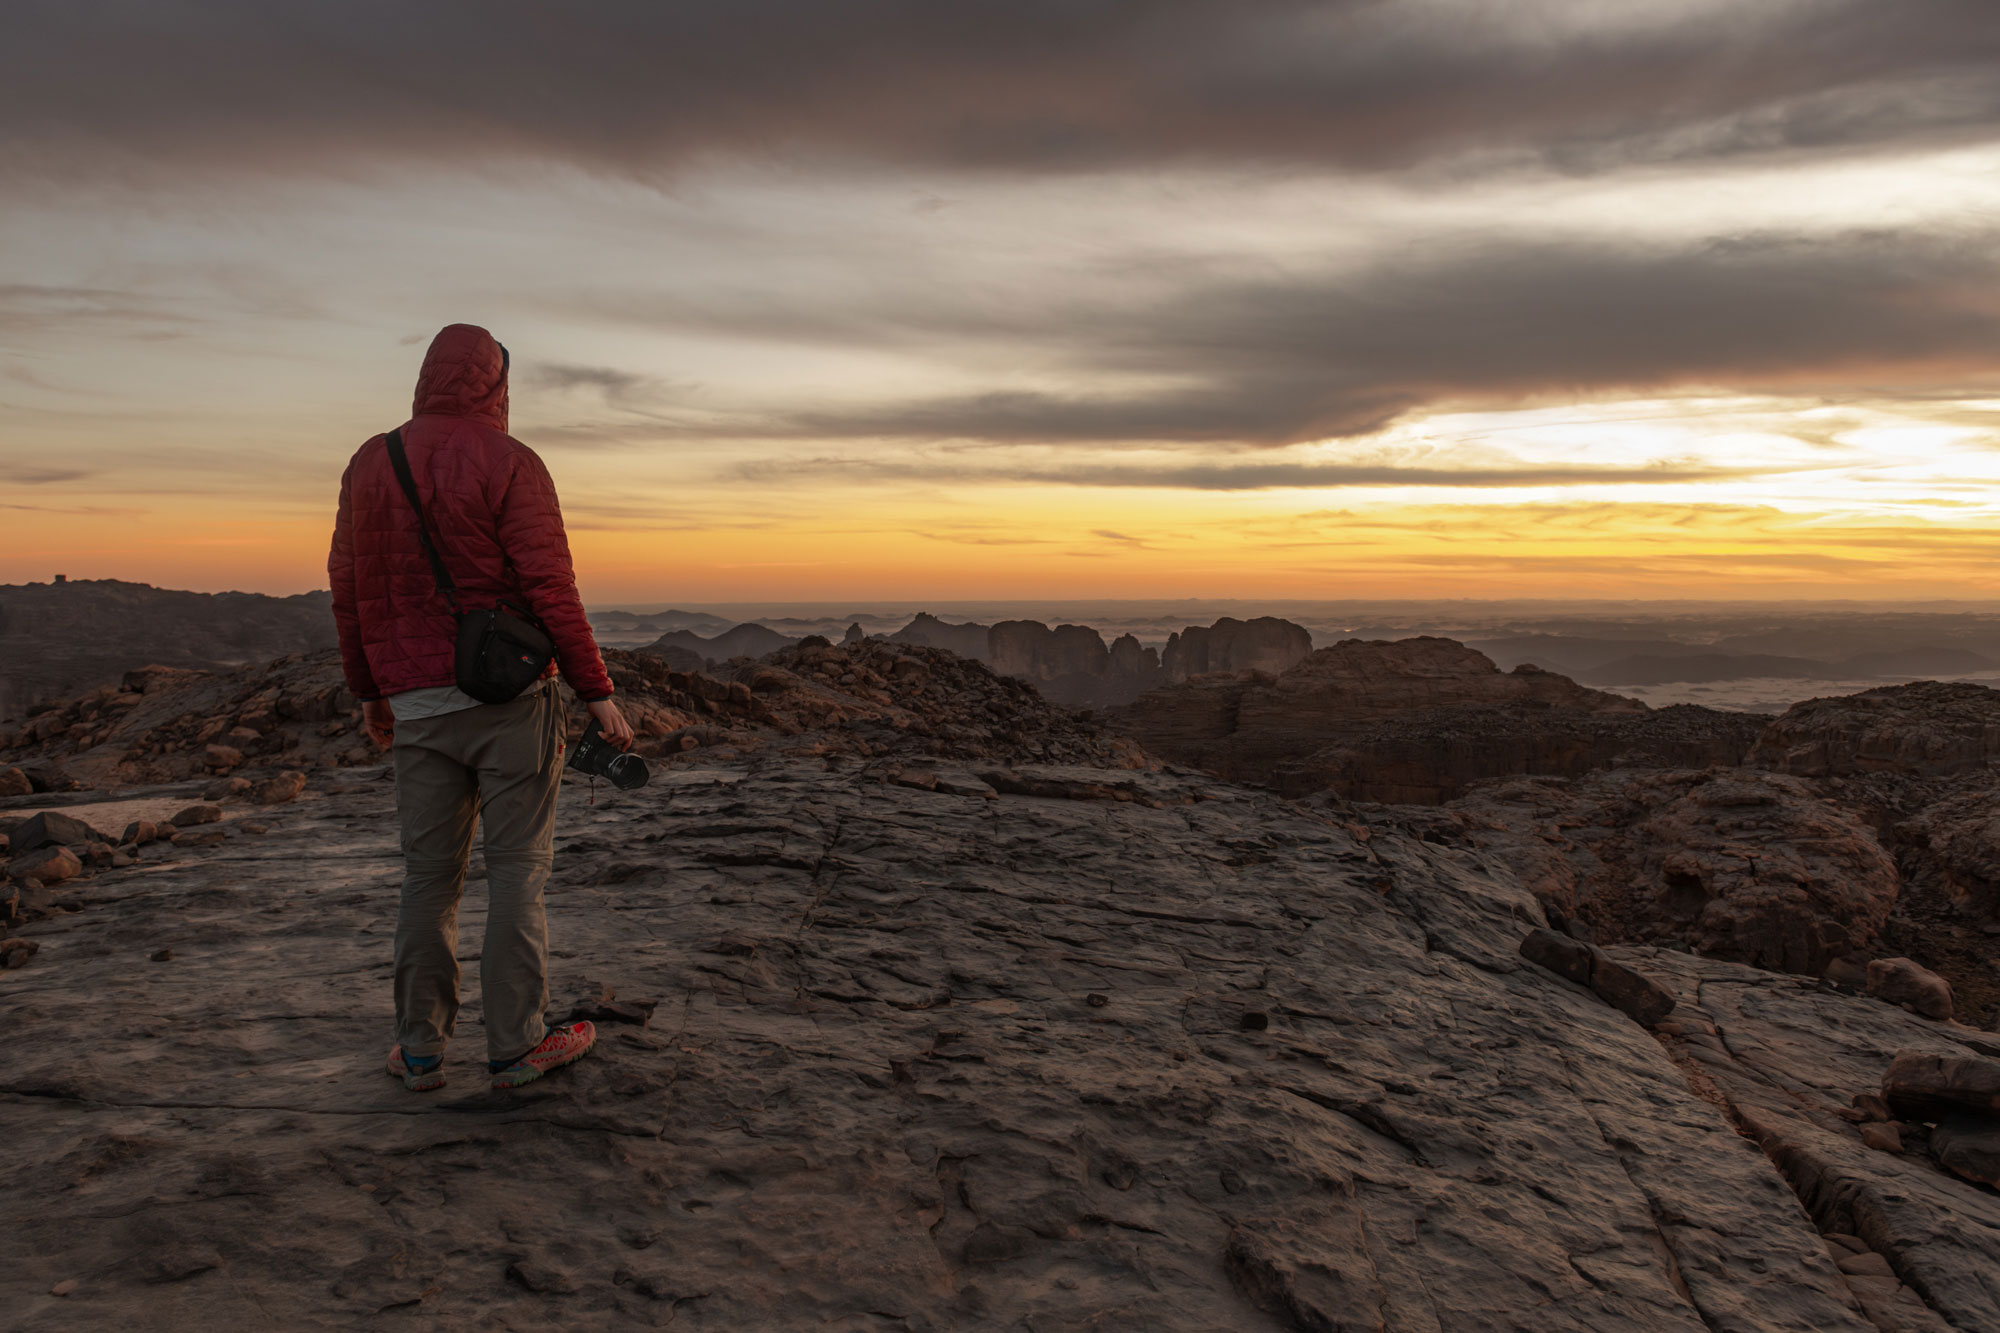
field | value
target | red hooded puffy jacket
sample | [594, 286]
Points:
[493, 512]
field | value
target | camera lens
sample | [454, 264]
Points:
[626, 771]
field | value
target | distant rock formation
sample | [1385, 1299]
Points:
[928, 631]
[60, 639]
[1264, 644]
[1415, 720]
[1071, 663]
[746, 640]
[1928, 728]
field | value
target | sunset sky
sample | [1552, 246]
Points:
[847, 299]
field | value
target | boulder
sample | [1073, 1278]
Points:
[50, 865]
[223, 788]
[52, 828]
[1637, 996]
[139, 832]
[1901, 981]
[1926, 1086]
[50, 778]
[1568, 958]
[13, 782]
[197, 814]
[16, 952]
[1968, 1147]
[278, 790]
[222, 757]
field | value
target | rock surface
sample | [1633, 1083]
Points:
[1925, 729]
[1750, 866]
[1417, 720]
[1189, 1060]
[1785, 1058]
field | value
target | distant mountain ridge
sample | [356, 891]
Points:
[59, 638]
[1070, 664]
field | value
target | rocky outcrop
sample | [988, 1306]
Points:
[745, 640]
[1031, 650]
[1927, 729]
[294, 716]
[927, 631]
[1071, 664]
[59, 639]
[1264, 644]
[930, 1058]
[1798, 1065]
[1957, 840]
[1752, 867]
[1416, 720]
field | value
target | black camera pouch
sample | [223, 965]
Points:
[500, 654]
[502, 650]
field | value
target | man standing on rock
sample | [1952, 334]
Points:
[493, 518]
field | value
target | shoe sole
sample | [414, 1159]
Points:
[516, 1075]
[428, 1081]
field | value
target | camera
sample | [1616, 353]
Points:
[601, 759]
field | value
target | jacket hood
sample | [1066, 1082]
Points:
[464, 375]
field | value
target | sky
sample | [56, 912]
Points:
[1049, 298]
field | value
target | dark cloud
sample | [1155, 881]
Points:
[1269, 361]
[44, 476]
[610, 382]
[648, 85]
[1232, 476]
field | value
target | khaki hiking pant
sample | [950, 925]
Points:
[502, 765]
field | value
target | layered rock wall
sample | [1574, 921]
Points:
[1265, 644]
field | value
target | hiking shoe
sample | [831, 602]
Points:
[570, 1042]
[423, 1076]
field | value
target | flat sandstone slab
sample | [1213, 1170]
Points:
[920, 1060]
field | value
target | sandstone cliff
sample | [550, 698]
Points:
[1072, 665]
[1264, 644]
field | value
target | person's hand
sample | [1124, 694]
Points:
[379, 720]
[611, 722]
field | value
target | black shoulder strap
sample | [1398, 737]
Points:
[401, 462]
